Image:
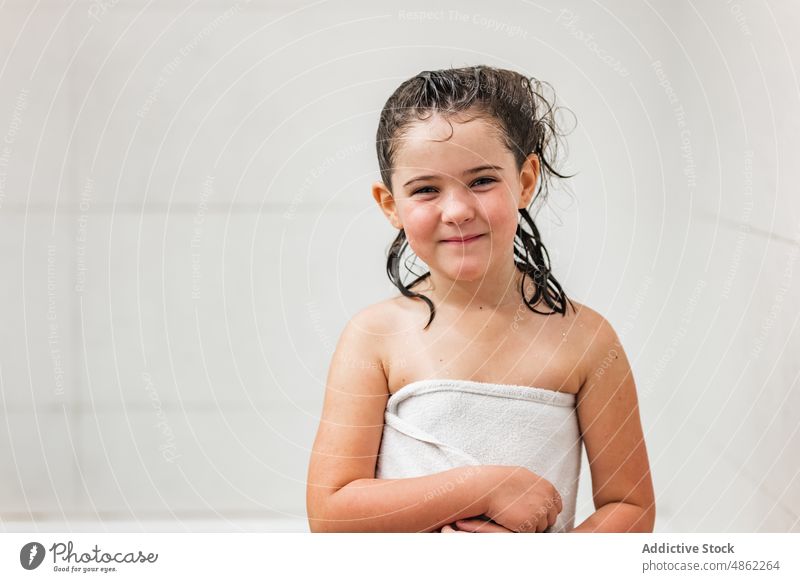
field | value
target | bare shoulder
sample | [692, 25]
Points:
[371, 328]
[590, 325]
[370, 319]
[377, 319]
[593, 333]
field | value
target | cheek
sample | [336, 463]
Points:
[420, 226]
[502, 216]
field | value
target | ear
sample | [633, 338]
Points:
[386, 201]
[528, 177]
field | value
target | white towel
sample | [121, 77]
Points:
[435, 425]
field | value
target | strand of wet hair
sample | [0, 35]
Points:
[536, 265]
[396, 251]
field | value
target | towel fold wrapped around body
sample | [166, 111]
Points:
[435, 425]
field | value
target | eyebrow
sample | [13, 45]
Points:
[466, 173]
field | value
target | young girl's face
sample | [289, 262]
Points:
[458, 198]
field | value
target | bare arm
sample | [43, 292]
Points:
[618, 517]
[419, 504]
[342, 493]
[608, 413]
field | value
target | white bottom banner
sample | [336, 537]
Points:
[378, 557]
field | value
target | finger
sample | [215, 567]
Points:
[541, 525]
[481, 526]
[552, 515]
[469, 524]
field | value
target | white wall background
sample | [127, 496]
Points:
[186, 226]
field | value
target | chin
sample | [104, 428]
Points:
[467, 274]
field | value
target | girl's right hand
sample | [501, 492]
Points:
[523, 501]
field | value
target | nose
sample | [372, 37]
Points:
[458, 205]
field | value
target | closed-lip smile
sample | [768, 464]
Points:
[462, 240]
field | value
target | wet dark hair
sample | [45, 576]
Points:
[525, 121]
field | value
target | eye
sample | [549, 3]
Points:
[486, 180]
[422, 190]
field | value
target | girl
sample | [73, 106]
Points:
[462, 403]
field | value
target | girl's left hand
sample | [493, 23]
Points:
[474, 525]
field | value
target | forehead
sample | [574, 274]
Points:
[425, 144]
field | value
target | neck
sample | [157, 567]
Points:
[498, 289]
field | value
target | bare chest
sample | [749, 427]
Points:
[525, 349]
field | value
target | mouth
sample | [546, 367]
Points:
[463, 241]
